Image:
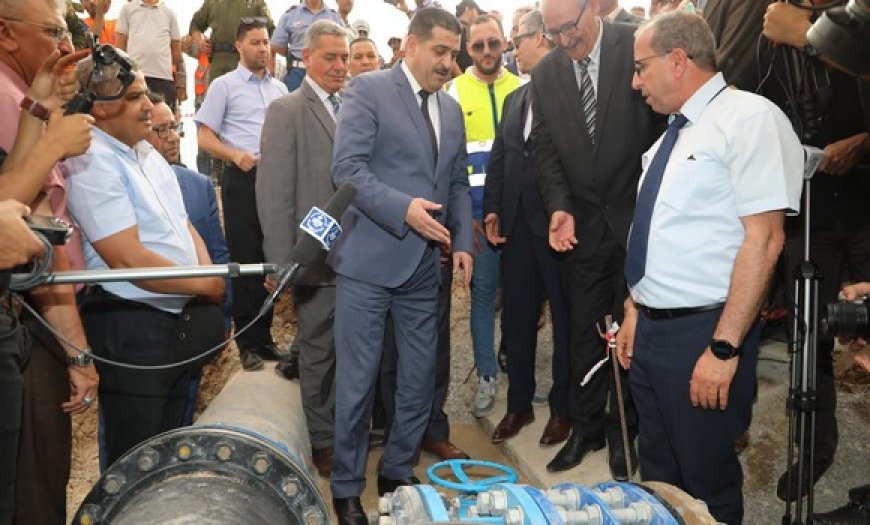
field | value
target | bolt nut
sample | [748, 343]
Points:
[513, 516]
[113, 483]
[260, 463]
[290, 488]
[224, 451]
[184, 450]
[148, 460]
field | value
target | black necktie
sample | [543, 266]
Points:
[638, 240]
[424, 106]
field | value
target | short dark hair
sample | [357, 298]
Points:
[485, 19]
[462, 6]
[248, 23]
[155, 97]
[359, 39]
[426, 19]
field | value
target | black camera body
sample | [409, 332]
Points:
[848, 319]
[56, 231]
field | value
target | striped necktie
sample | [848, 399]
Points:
[587, 95]
[336, 103]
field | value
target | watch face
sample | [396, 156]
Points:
[723, 349]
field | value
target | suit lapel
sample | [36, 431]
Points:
[409, 100]
[568, 81]
[611, 51]
[320, 112]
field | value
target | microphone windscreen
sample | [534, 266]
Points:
[308, 248]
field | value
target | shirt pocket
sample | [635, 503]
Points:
[688, 183]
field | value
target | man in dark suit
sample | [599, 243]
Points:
[589, 133]
[295, 175]
[514, 217]
[401, 143]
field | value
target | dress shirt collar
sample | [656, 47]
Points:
[321, 93]
[415, 86]
[138, 152]
[699, 100]
[249, 75]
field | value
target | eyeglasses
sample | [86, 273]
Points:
[251, 20]
[517, 40]
[164, 131]
[493, 43]
[59, 33]
[640, 64]
[566, 29]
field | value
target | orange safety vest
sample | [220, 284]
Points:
[200, 77]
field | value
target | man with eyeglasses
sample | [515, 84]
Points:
[589, 133]
[289, 36]
[481, 91]
[229, 124]
[706, 235]
[37, 399]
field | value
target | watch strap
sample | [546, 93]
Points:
[82, 359]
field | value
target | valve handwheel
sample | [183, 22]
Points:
[466, 484]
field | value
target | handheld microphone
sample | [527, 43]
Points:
[321, 233]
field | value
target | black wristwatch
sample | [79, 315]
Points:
[724, 350]
[81, 360]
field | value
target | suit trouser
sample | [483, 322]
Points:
[530, 268]
[136, 404]
[842, 254]
[46, 432]
[14, 352]
[685, 446]
[315, 312]
[438, 428]
[245, 242]
[360, 314]
[597, 288]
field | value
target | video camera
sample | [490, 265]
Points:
[848, 319]
[106, 59]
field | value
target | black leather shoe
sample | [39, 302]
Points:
[288, 366]
[390, 485]
[572, 453]
[349, 511]
[250, 360]
[616, 460]
[270, 352]
[821, 466]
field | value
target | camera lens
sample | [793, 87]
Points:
[847, 320]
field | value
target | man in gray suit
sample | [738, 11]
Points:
[294, 175]
[401, 143]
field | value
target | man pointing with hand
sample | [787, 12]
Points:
[401, 142]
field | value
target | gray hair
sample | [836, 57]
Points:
[687, 31]
[323, 28]
[106, 83]
[19, 6]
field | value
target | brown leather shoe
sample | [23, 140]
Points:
[510, 425]
[557, 430]
[444, 450]
[322, 460]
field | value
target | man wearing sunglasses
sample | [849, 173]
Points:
[481, 91]
[589, 133]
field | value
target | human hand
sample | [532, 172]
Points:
[422, 222]
[711, 380]
[562, 236]
[843, 155]
[55, 82]
[17, 243]
[625, 336]
[465, 262]
[71, 133]
[493, 226]
[785, 23]
[245, 161]
[83, 384]
[180, 93]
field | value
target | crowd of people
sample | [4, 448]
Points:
[583, 160]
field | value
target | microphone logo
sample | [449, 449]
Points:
[322, 227]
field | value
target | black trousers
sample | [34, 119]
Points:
[137, 404]
[14, 352]
[245, 242]
[679, 444]
[842, 255]
[438, 428]
[46, 431]
[529, 269]
[596, 286]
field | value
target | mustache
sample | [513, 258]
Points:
[442, 70]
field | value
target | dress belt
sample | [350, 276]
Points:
[671, 313]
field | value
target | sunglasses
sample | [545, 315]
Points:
[493, 43]
[250, 20]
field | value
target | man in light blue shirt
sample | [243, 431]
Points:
[125, 199]
[229, 124]
[289, 37]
